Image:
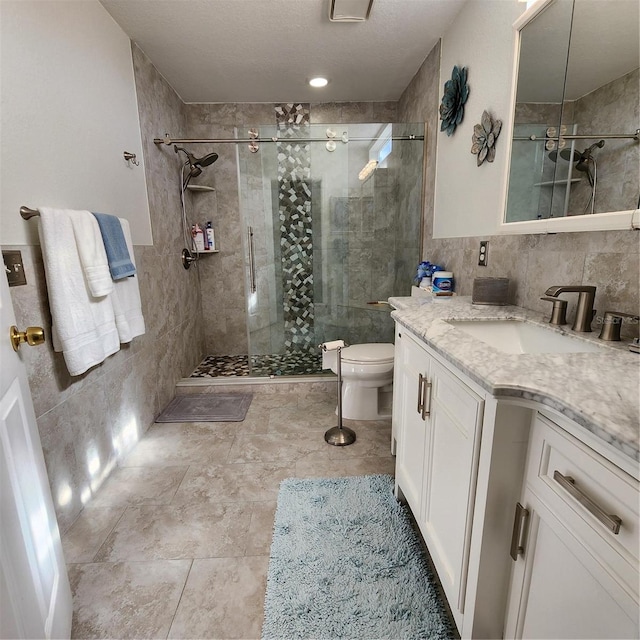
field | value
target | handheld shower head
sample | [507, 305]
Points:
[586, 160]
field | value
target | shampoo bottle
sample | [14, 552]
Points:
[198, 238]
[210, 236]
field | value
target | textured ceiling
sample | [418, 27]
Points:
[266, 50]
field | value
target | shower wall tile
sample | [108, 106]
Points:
[385, 111]
[605, 259]
[253, 114]
[352, 112]
[222, 275]
[211, 113]
[326, 112]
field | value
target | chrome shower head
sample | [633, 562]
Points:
[205, 161]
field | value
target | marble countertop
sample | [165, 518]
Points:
[599, 391]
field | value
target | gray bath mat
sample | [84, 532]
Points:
[207, 407]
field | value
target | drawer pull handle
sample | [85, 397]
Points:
[421, 380]
[519, 522]
[426, 403]
[612, 522]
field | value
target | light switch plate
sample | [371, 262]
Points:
[14, 268]
[483, 254]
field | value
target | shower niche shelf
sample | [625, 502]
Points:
[199, 188]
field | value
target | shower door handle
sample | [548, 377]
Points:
[252, 263]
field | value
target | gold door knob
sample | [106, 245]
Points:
[33, 336]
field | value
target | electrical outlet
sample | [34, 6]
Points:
[483, 255]
[13, 268]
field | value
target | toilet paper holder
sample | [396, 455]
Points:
[339, 436]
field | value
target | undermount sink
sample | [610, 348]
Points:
[518, 336]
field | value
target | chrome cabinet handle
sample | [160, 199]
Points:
[426, 405]
[519, 522]
[252, 265]
[612, 522]
[421, 380]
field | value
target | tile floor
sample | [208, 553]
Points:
[176, 543]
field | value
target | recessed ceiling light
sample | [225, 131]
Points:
[318, 82]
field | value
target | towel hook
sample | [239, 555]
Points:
[131, 157]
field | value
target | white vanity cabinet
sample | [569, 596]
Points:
[576, 542]
[437, 459]
[465, 459]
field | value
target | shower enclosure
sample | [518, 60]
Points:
[332, 228]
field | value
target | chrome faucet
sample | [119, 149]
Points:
[585, 310]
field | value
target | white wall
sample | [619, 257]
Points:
[468, 198]
[69, 110]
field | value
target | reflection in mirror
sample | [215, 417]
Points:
[575, 148]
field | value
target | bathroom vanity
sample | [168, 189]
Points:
[521, 468]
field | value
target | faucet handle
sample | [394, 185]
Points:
[612, 323]
[559, 310]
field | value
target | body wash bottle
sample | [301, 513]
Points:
[210, 236]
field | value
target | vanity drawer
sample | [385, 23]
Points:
[594, 499]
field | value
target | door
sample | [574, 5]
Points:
[35, 597]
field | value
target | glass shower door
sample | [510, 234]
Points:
[326, 234]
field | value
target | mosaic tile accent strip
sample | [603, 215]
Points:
[288, 364]
[294, 209]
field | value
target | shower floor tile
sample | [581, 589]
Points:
[287, 364]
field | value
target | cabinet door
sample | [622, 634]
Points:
[559, 590]
[397, 413]
[578, 577]
[410, 460]
[449, 480]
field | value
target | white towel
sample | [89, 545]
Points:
[84, 327]
[126, 298]
[93, 256]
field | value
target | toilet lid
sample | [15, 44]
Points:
[372, 352]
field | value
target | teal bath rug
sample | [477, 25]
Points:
[346, 563]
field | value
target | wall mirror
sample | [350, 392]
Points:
[575, 153]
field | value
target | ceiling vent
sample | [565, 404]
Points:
[349, 10]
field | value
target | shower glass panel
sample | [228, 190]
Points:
[327, 233]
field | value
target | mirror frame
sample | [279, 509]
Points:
[629, 219]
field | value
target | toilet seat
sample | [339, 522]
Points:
[372, 353]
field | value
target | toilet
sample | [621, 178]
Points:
[367, 377]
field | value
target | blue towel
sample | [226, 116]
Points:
[115, 245]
